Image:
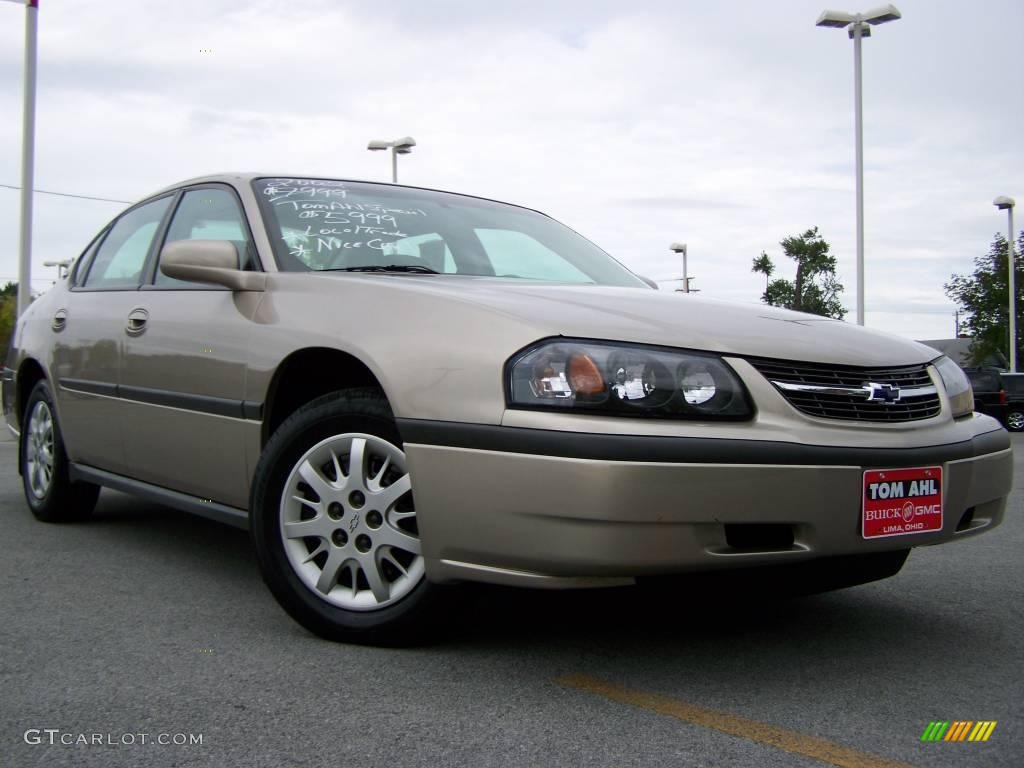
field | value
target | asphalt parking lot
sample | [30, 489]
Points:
[149, 623]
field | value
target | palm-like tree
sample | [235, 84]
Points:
[763, 264]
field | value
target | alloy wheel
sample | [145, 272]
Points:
[348, 522]
[1015, 421]
[39, 449]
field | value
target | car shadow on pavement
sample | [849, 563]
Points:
[699, 617]
[692, 615]
[173, 533]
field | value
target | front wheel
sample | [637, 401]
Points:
[334, 523]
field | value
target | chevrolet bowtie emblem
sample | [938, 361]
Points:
[882, 393]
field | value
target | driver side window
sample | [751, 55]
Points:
[207, 214]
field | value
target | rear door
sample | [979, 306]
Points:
[90, 330]
[183, 375]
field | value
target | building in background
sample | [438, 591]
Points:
[959, 351]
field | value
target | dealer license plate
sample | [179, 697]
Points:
[898, 502]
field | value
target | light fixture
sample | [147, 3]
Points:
[398, 147]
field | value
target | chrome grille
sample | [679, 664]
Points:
[843, 392]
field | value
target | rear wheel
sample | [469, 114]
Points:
[334, 523]
[49, 491]
[1015, 421]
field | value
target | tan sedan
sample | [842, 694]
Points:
[396, 389]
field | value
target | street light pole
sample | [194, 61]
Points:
[1007, 203]
[859, 155]
[28, 141]
[857, 24]
[1012, 268]
[681, 248]
[398, 147]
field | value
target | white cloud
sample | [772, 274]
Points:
[726, 127]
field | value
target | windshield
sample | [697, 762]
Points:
[322, 224]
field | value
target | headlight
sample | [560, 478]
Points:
[958, 386]
[625, 380]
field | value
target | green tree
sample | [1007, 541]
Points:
[11, 289]
[8, 315]
[982, 297]
[763, 264]
[815, 288]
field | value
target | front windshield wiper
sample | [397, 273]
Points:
[415, 268]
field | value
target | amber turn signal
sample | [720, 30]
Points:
[584, 376]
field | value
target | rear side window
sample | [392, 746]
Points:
[208, 214]
[82, 265]
[121, 257]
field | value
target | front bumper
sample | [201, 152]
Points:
[555, 508]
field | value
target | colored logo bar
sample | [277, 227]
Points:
[958, 730]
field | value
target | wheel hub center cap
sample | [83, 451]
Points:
[353, 522]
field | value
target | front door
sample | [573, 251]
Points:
[183, 374]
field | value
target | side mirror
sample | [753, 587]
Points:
[209, 261]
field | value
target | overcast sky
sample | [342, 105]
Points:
[727, 126]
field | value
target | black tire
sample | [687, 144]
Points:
[63, 501]
[410, 620]
[1015, 420]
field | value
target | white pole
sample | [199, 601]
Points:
[394, 165]
[859, 130]
[28, 135]
[686, 276]
[1013, 294]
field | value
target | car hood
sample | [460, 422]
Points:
[669, 319]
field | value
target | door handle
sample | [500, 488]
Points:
[60, 319]
[136, 321]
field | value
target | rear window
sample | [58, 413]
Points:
[984, 382]
[1014, 384]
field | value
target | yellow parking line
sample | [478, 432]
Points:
[790, 741]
